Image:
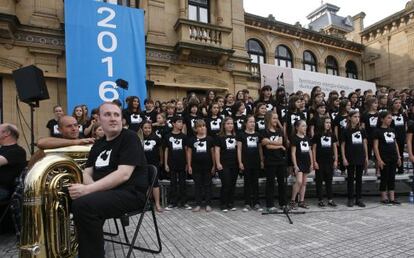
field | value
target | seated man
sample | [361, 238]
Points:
[114, 181]
[12, 159]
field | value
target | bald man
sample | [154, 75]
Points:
[12, 159]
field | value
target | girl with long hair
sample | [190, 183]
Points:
[399, 123]
[132, 114]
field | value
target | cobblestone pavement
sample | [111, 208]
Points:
[375, 231]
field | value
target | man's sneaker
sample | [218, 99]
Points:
[303, 205]
[196, 209]
[187, 207]
[359, 203]
[350, 203]
[170, 207]
[292, 205]
[258, 208]
[246, 208]
[321, 204]
[208, 208]
[395, 202]
[332, 203]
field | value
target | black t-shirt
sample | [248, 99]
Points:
[176, 144]
[371, 122]
[228, 110]
[333, 113]
[411, 130]
[213, 125]
[273, 157]
[290, 119]
[161, 130]
[281, 111]
[260, 124]
[152, 145]
[249, 107]
[324, 147]
[386, 143]
[270, 104]
[150, 116]
[52, 125]
[126, 149]
[250, 149]
[239, 122]
[228, 150]
[133, 119]
[340, 122]
[303, 149]
[16, 162]
[399, 122]
[354, 145]
[190, 123]
[201, 151]
[168, 122]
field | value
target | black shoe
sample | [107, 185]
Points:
[395, 202]
[359, 203]
[332, 203]
[385, 202]
[350, 203]
[321, 204]
[400, 171]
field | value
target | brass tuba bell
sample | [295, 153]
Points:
[47, 228]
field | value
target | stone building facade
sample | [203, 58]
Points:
[191, 45]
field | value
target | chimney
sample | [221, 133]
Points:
[358, 24]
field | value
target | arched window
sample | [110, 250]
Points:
[283, 56]
[309, 61]
[351, 70]
[331, 66]
[256, 51]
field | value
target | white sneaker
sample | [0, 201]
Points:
[257, 207]
[224, 210]
[208, 208]
[233, 209]
[187, 207]
[246, 208]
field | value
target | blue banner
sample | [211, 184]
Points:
[104, 43]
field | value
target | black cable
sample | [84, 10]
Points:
[345, 210]
[19, 115]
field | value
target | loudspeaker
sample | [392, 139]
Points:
[30, 84]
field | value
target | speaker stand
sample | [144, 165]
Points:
[32, 106]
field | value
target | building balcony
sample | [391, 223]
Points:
[254, 70]
[203, 39]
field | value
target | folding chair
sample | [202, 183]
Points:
[124, 219]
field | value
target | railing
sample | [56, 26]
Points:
[254, 69]
[203, 33]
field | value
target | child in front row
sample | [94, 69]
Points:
[250, 157]
[302, 163]
[200, 160]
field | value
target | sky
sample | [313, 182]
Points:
[288, 11]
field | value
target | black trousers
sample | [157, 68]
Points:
[251, 186]
[387, 182]
[280, 172]
[91, 211]
[202, 184]
[324, 174]
[355, 174]
[228, 177]
[178, 193]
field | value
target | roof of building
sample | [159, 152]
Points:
[325, 16]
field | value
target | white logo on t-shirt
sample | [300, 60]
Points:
[304, 146]
[334, 114]
[239, 124]
[55, 129]
[136, 119]
[200, 146]
[389, 137]
[343, 123]
[103, 159]
[80, 128]
[230, 144]
[398, 120]
[261, 124]
[158, 133]
[357, 138]
[294, 118]
[283, 112]
[177, 144]
[269, 107]
[373, 121]
[326, 141]
[215, 124]
[274, 138]
[149, 145]
[251, 141]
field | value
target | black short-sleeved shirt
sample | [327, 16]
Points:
[325, 144]
[53, 126]
[290, 119]
[303, 149]
[386, 143]
[161, 130]
[176, 144]
[273, 157]
[213, 125]
[227, 110]
[340, 122]
[281, 111]
[16, 162]
[411, 130]
[249, 107]
[168, 122]
[150, 115]
[260, 124]
[190, 123]
[201, 151]
[371, 122]
[239, 122]
[152, 145]
[333, 113]
[354, 145]
[250, 149]
[133, 119]
[228, 150]
[126, 149]
[399, 122]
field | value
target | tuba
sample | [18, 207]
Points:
[47, 229]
